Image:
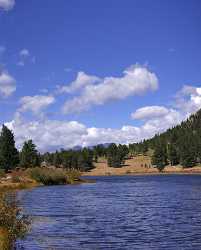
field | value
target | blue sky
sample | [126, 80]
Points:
[45, 44]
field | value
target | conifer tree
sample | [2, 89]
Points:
[9, 156]
[159, 157]
[173, 154]
[57, 159]
[29, 155]
[113, 156]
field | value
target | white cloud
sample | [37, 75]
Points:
[188, 100]
[136, 81]
[81, 81]
[149, 112]
[24, 53]
[7, 84]
[54, 134]
[48, 135]
[7, 4]
[36, 103]
[162, 123]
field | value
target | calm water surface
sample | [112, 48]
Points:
[128, 212]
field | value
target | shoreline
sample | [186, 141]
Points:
[5, 187]
[143, 174]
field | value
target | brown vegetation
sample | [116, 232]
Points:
[135, 166]
[13, 224]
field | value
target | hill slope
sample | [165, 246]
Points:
[178, 145]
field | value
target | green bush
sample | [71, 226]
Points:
[48, 176]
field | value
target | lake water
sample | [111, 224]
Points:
[128, 212]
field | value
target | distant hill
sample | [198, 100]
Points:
[180, 144]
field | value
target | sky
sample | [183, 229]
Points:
[87, 72]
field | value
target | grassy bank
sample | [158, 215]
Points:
[4, 239]
[12, 224]
[47, 176]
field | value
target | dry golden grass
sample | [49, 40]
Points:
[135, 166]
[4, 240]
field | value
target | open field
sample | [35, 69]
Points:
[137, 165]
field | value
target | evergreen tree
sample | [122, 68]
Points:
[172, 154]
[113, 156]
[188, 156]
[29, 155]
[159, 157]
[9, 156]
[57, 159]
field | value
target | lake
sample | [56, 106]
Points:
[122, 212]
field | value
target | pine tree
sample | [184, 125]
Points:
[172, 154]
[188, 155]
[9, 156]
[57, 159]
[159, 157]
[29, 155]
[113, 156]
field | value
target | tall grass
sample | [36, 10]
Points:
[13, 224]
[48, 176]
[2, 173]
[53, 176]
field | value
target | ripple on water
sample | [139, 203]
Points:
[142, 212]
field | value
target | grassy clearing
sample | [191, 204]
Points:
[138, 165]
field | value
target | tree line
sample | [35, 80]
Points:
[178, 145]
[82, 159]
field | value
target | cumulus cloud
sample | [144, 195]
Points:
[130, 134]
[36, 103]
[149, 112]
[159, 118]
[189, 99]
[49, 134]
[54, 134]
[81, 81]
[136, 80]
[162, 123]
[7, 84]
[7, 4]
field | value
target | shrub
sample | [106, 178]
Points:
[2, 173]
[72, 175]
[16, 177]
[48, 176]
[12, 223]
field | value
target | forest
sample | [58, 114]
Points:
[178, 145]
